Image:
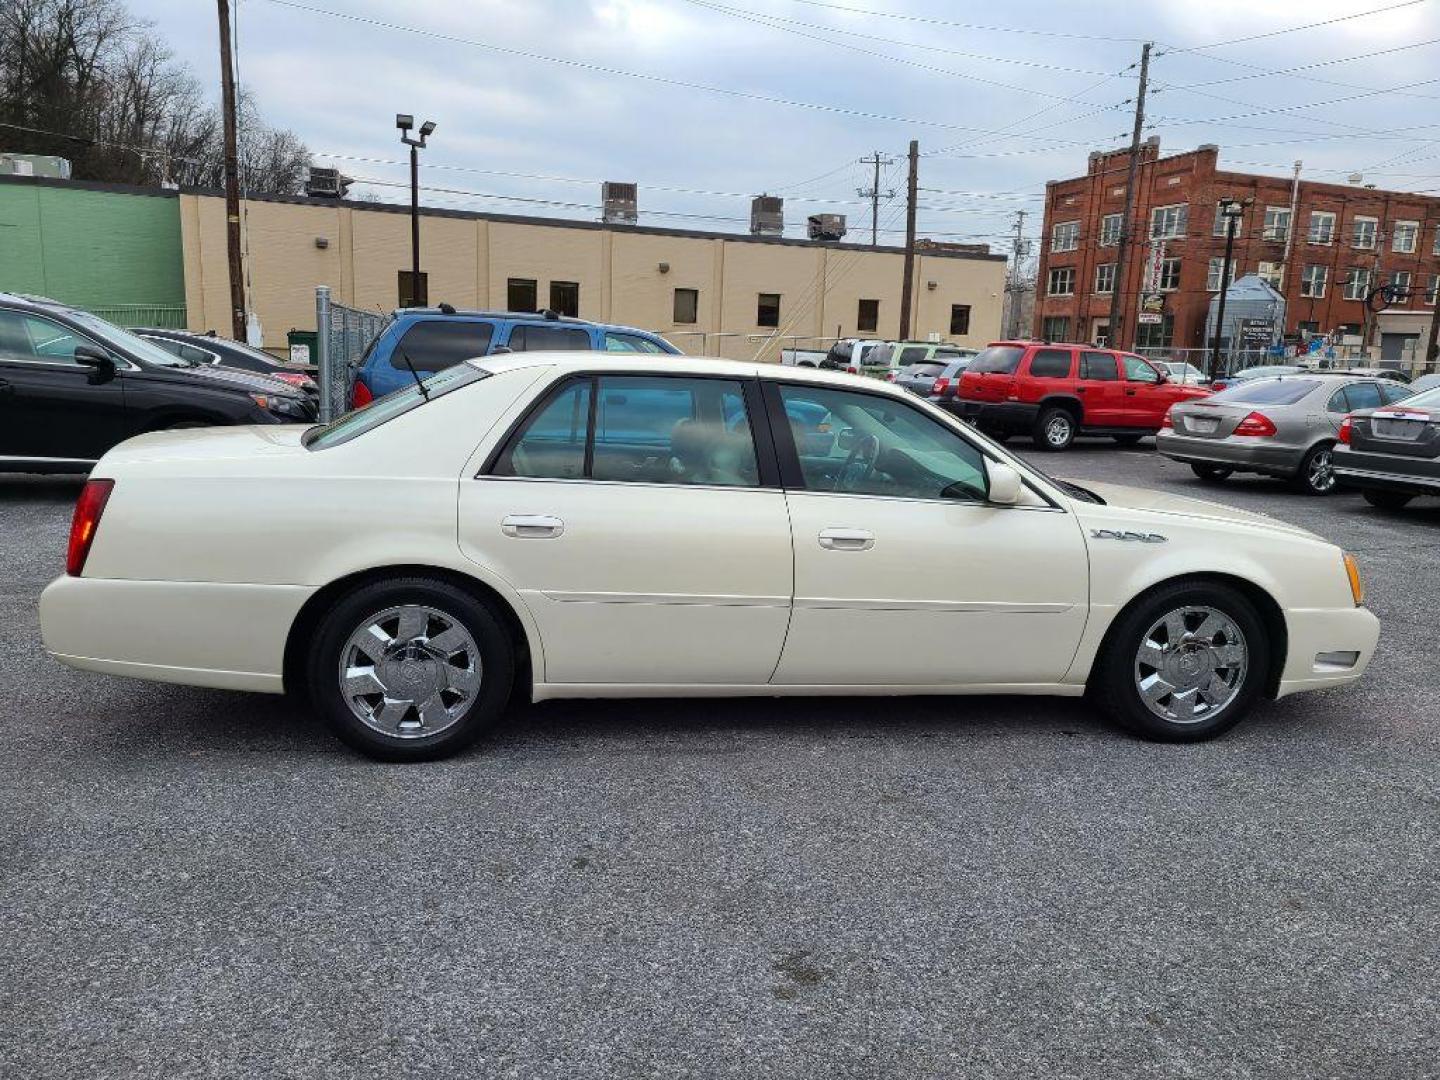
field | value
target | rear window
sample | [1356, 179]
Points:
[1267, 391]
[398, 403]
[997, 360]
[927, 368]
[437, 344]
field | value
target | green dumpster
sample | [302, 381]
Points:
[303, 347]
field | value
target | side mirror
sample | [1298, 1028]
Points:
[1006, 487]
[98, 360]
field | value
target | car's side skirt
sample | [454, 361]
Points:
[551, 691]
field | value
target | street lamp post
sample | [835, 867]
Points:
[1232, 210]
[404, 121]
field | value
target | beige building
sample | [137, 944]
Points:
[731, 295]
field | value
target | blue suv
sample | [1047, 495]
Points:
[433, 339]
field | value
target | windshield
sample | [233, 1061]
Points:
[1281, 391]
[397, 403]
[146, 351]
[998, 359]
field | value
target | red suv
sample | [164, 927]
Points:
[1054, 392]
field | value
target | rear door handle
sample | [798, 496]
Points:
[532, 526]
[846, 539]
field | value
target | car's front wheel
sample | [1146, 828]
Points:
[1211, 474]
[1054, 429]
[410, 670]
[1183, 665]
[1388, 500]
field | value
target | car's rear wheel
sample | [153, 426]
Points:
[1388, 500]
[1211, 474]
[410, 670]
[1128, 440]
[1054, 429]
[1317, 471]
[1183, 665]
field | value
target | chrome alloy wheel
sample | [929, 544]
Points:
[1320, 472]
[1058, 429]
[409, 672]
[1190, 665]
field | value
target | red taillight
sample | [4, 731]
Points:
[1168, 420]
[1256, 424]
[852, 371]
[1344, 435]
[360, 396]
[88, 509]
[941, 385]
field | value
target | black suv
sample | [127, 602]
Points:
[73, 385]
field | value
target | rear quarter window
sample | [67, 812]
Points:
[1050, 364]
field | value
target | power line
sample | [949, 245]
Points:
[1304, 26]
[934, 21]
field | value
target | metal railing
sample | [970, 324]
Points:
[1330, 356]
[160, 316]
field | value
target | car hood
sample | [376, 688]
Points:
[251, 382]
[1121, 497]
[207, 444]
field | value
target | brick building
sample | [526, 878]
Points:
[1343, 240]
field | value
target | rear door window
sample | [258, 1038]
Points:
[1099, 366]
[1365, 395]
[662, 430]
[437, 344]
[536, 337]
[1051, 364]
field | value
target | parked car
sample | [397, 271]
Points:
[434, 339]
[1053, 392]
[1285, 427]
[1183, 372]
[942, 390]
[1425, 382]
[920, 365]
[1261, 371]
[697, 548]
[847, 354]
[73, 385]
[215, 350]
[1393, 374]
[1392, 454]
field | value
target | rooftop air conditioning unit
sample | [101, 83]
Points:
[621, 203]
[767, 216]
[826, 226]
[326, 184]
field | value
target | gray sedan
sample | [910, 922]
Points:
[1285, 427]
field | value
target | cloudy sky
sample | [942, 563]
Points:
[705, 102]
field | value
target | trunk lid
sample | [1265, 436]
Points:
[1408, 432]
[1206, 419]
[207, 444]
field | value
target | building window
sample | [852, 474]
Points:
[1110, 230]
[1322, 227]
[868, 315]
[1065, 236]
[1400, 282]
[1212, 273]
[565, 298]
[1169, 275]
[1363, 230]
[960, 319]
[1432, 289]
[687, 305]
[1313, 280]
[1270, 274]
[1277, 223]
[521, 294]
[1105, 278]
[1405, 237]
[1357, 284]
[1435, 249]
[1220, 219]
[1061, 282]
[1159, 335]
[767, 309]
[1169, 222]
[409, 296]
[1055, 328]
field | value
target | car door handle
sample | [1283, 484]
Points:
[1080, 389]
[6, 389]
[532, 526]
[846, 539]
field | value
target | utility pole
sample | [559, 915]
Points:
[907, 282]
[232, 177]
[1117, 299]
[874, 193]
[1290, 232]
[1232, 209]
[1015, 287]
[1432, 343]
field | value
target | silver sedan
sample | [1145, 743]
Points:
[1284, 426]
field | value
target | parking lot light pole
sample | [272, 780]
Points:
[404, 121]
[1232, 209]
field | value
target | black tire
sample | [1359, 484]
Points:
[1054, 429]
[1387, 500]
[1128, 440]
[1316, 475]
[1211, 474]
[496, 664]
[1114, 688]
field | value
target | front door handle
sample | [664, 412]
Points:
[532, 526]
[846, 539]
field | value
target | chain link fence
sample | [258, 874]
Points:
[1331, 356]
[350, 331]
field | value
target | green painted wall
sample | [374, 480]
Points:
[90, 248]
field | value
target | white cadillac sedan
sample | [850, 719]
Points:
[577, 525]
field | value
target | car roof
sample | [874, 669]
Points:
[513, 316]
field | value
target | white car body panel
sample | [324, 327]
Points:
[214, 539]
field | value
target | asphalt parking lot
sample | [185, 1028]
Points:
[200, 883]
